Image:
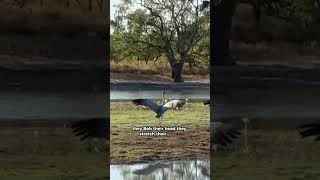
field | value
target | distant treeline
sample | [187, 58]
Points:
[90, 5]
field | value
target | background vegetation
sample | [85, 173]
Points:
[44, 31]
[276, 31]
[175, 32]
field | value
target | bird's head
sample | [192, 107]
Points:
[245, 120]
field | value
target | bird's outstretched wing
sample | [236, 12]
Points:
[223, 134]
[308, 130]
[148, 103]
[206, 102]
[96, 127]
[173, 104]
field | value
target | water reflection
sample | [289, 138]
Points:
[179, 170]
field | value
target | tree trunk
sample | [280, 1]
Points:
[100, 4]
[221, 29]
[90, 5]
[177, 72]
[67, 4]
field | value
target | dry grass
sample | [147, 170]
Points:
[52, 17]
[52, 32]
[128, 147]
[160, 71]
[277, 53]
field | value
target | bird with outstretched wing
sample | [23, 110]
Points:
[310, 130]
[222, 133]
[159, 109]
[95, 127]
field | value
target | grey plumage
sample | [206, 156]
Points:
[159, 109]
[222, 133]
[95, 127]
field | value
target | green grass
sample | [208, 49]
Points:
[50, 153]
[128, 147]
[273, 154]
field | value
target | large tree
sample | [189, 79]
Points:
[172, 28]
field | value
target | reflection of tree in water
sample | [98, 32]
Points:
[184, 170]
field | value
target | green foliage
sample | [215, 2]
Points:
[300, 12]
[177, 30]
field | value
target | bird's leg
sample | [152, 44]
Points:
[160, 119]
[245, 138]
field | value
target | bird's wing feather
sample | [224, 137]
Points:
[148, 103]
[223, 133]
[174, 104]
[312, 129]
[96, 127]
[206, 102]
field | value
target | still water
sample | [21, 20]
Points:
[52, 105]
[157, 94]
[177, 170]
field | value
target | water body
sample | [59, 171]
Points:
[52, 105]
[288, 105]
[134, 86]
[157, 94]
[268, 107]
[176, 170]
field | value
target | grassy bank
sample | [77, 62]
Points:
[159, 71]
[39, 153]
[128, 147]
[272, 154]
[277, 53]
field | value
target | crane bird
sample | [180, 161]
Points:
[222, 133]
[162, 108]
[95, 127]
[310, 130]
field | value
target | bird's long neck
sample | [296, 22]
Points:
[163, 99]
